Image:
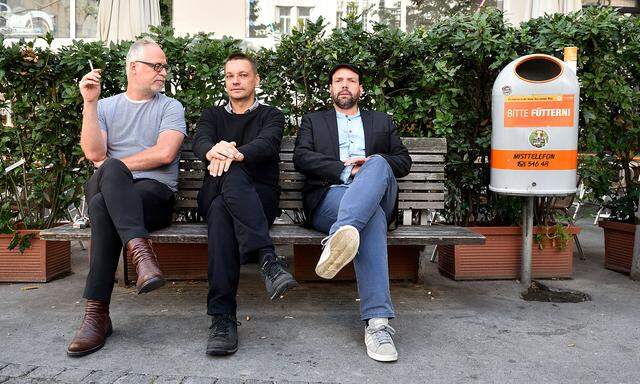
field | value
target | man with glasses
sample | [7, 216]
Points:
[240, 143]
[133, 139]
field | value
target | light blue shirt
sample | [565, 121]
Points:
[350, 140]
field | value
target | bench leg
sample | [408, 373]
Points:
[407, 217]
[424, 261]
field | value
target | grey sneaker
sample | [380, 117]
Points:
[377, 337]
[339, 249]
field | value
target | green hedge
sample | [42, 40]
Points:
[435, 82]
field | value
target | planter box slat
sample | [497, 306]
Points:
[499, 257]
[39, 263]
[618, 245]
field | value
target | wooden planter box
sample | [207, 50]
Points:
[618, 245]
[402, 259]
[499, 257]
[41, 262]
[177, 262]
[189, 262]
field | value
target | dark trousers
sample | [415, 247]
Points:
[239, 213]
[120, 209]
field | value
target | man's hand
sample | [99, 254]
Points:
[355, 161]
[90, 86]
[218, 167]
[223, 151]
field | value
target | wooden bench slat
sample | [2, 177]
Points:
[423, 176]
[288, 157]
[421, 205]
[188, 155]
[185, 175]
[287, 234]
[287, 167]
[291, 176]
[420, 196]
[290, 204]
[409, 186]
[414, 144]
[186, 204]
[291, 196]
[189, 184]
[425, 144]
[291, 185]
[298, 185]
[427, 158]
[419, 168]
[188, 193]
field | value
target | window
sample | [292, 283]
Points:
[86, 18]
[625, 6]
[257, 26]
[63, 18]
[390, 15]
[284, 19]
[352, 8]
[304, 13]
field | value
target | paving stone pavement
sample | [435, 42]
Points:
[29, 374]
[448, 332]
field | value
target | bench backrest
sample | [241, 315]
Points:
[421, 191]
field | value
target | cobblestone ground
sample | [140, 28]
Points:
[30, 374]
[448, 332]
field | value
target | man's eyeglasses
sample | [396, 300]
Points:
[156, 66]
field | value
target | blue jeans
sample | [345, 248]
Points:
[366, 203]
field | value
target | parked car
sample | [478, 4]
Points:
[24, 23]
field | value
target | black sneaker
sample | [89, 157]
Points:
[223, 335]
[276, 279]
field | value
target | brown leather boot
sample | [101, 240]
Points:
[149, 273]
[94, 330]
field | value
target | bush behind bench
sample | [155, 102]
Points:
[435, 82]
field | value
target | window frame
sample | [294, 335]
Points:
[632, 10]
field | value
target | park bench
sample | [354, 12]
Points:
[181, 248]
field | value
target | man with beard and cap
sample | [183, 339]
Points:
[351, 159]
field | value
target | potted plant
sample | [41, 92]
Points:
[612, 131]
[466, 54]
[613, 179]
[41, 163]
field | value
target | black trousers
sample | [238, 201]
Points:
[239, 213]
[120, 209]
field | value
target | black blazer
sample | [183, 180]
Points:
[317, 154]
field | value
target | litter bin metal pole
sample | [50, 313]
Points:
[527, 241]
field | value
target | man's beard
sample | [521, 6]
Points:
[345, 103]
[156, 88]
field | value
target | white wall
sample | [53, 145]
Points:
[222, 17]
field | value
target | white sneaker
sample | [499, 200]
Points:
[377, 337]
[339, 249]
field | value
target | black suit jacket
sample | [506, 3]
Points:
[317, 154]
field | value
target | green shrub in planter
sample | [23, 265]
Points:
[434, 81]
